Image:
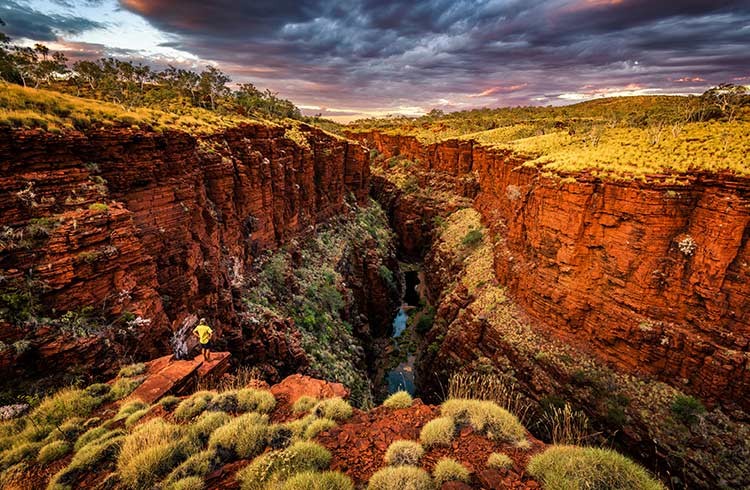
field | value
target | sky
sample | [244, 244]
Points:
[363, 58]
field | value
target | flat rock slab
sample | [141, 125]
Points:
[216, 367]
[295, 386]
[167, 375]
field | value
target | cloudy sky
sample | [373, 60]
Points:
[372, 57]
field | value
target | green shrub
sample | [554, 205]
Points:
[315, 480]
[485, 417]
[448, 469]
[190, 408]
[129, 408]
[333, 408]
[87, 457]
[387, 276]
[687, 409]
[132, 370]
[317, 426]
[99, 207]
[243, 437]
[499, 461]
[400, 399]
[19, 453]
[580, 468]
[123, 387]
[149, 453]
[426, 319]
[304, 404]
[299, 426]
[392, 477]
[99, 390]
[224, 402]
[134, 417]
[169, 402]
[89, 436]
[66, 403]
[279, 436]
[53, 451]
[278, 466]
[404, 452]
[472, 238]
[252, 400]
[200, 431]
[188, 483]
[69, 430]
[438, 432]
[198, 465]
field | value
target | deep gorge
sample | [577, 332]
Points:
[115, 239]
[564, 255]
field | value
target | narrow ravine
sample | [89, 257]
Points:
[401, 378]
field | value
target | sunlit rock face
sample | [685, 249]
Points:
[653, 276]
[144, 229]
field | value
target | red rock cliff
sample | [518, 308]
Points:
[655, 278]
[183, 221]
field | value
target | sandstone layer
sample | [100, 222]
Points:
[145, 231]
[653, 277]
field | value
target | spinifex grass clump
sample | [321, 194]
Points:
[448, 469]
[400, 399]
[277, 466]
[499, 461]
[486, 418]
[579, 468]
[318, 480]
[195, 405]
[333, 408]
[392, 477]
[304, 404]
[404, 452]
[243, 437]
[438, 432]
[149, 453]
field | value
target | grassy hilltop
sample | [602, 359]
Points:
[623, 137]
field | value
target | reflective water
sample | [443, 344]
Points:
[399, 323]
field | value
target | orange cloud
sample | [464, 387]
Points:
[499, 90]
[689, 79]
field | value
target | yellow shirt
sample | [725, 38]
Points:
[204, 333]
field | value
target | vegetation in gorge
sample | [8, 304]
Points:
[619, 138]
[311, 288]
[586, 402]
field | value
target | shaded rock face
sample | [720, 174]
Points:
[178, 223]
[653, 277]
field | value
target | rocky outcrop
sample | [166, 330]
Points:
[652, 276]
[133, 231]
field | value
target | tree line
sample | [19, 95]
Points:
[137, 85]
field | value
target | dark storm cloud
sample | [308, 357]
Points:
[441, 53]
[417, 50]
[22, 21]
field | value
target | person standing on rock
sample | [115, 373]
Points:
[204, 334]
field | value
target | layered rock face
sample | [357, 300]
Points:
[151, 229]
[652, 277]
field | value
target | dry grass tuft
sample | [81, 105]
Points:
[438, 432]
[404, 452]
[392, 477]
[400, 399]
[577, 468]
[487, 418]
[448, 469]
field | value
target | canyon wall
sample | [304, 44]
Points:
[148, 230]
[651, 277]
